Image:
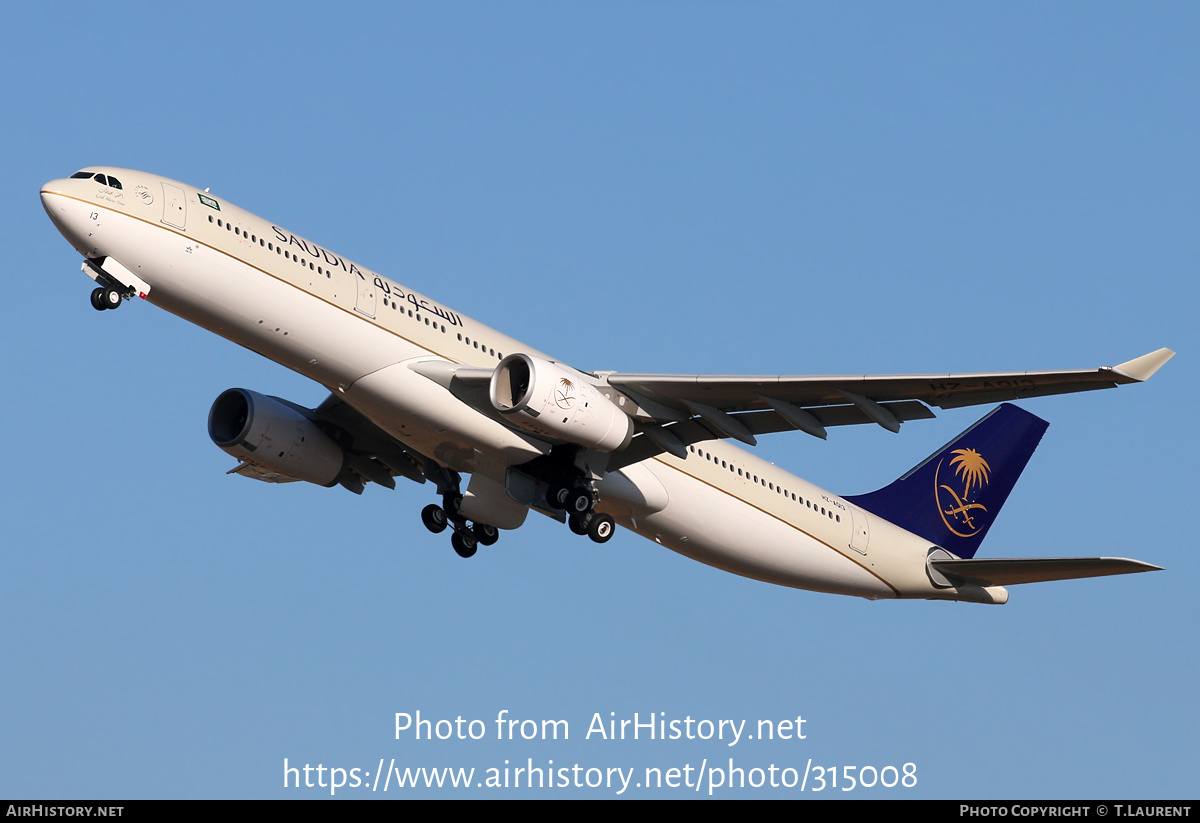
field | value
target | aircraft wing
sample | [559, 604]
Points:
[729, 404]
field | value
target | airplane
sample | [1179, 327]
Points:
[419, 391]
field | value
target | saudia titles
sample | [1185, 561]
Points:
[960, 514]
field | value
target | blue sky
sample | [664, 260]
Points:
[721, 188]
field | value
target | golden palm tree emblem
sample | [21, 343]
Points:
[973, 471]
[971, 468]
[564, 393]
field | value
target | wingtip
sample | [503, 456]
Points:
[1125, 565]
[1142, 368]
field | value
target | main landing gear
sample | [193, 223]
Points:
[578, 501]
[567, 491]
[466, 537]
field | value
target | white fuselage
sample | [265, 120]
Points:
[357, 333]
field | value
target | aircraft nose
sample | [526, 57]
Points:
[54, 201]
[48, 191]
[67, 215]
[54, 197]
[54, 187]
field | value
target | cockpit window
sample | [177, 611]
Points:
[103, 180]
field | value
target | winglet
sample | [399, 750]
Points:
[1141, 368]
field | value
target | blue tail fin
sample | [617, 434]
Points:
[952, 497]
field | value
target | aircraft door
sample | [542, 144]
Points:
[174, 206]
[368, 297]
[860, 530]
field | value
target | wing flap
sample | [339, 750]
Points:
[644, 445]
[258, 473]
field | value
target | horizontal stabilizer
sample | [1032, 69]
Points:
[1010, 572]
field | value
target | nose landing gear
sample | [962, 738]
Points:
[106, 298]
[112, 281]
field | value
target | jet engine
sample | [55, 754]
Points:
[268, 433]
[544, 398]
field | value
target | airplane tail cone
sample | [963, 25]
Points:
[952, 497]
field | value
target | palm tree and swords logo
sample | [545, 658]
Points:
[958, 510]
[564, 393]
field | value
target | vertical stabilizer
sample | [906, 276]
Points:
[953, 496]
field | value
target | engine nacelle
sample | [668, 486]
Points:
[271, 435]
[548, 400]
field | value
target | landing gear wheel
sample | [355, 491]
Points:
[111, 298]
[486, 534]
[579, 500]
[601, 528]
[557, 495]
[464, 543]
[98, 299]
[579, 523]
[434, 518]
